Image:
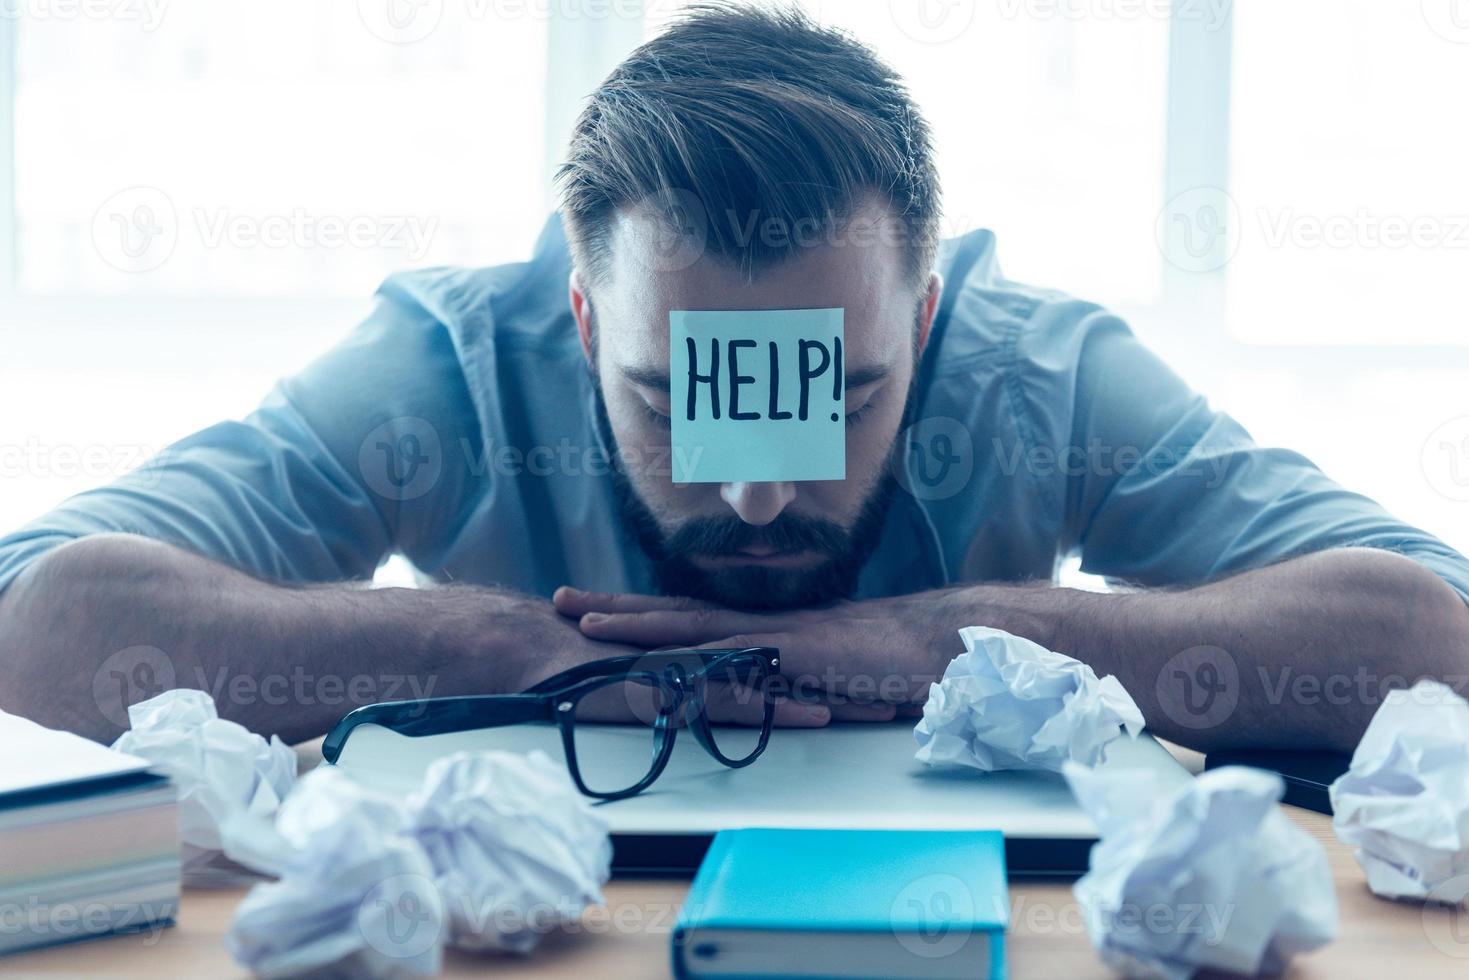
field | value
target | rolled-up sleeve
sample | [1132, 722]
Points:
[1169, 491]
[319, 484]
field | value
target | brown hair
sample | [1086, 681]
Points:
[759, 118]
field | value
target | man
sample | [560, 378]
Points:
[515, 448]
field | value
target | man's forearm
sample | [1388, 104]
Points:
[1297, 654]
[111, 620]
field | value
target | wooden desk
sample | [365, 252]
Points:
[629, 939]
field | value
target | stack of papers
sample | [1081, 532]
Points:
[88, 839]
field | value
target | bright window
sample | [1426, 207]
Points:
[274, 147]
[1348, 171]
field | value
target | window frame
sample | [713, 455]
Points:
[581, 50]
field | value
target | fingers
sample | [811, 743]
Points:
[851, 711]
[665, 626]
[575, 602]
[736, 704]
[797, 714]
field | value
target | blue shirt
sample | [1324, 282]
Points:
[455, 427]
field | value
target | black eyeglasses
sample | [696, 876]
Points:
[662, 688]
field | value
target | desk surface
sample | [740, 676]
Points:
[630, 937]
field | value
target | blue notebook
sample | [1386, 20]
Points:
[846, 903]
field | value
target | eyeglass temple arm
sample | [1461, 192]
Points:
[439, 716]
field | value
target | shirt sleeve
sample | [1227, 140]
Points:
[1161, 489]
[338, 467]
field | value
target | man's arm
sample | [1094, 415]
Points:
[1297, 654]
[110, 620]
[113, 619]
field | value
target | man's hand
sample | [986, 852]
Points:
[565, 646]
[870, 659]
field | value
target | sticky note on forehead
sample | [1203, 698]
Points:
[757, 395]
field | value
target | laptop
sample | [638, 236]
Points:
[848, 776]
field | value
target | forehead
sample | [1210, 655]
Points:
[863, 275]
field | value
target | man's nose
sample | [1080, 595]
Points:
[758, 503]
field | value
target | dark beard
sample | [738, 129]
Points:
[752, 587]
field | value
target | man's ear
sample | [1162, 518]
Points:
[581, 309]
[929, 308]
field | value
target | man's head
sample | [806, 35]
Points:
[749, 159]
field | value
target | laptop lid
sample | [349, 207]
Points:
[850, 776]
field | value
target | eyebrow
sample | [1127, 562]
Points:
[660, 380]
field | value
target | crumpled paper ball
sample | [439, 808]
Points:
[1210, 876]
[355, 896]
[1404, 802]
[225, 774]
[1009, 703]
[516, 849]
[492, 852]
